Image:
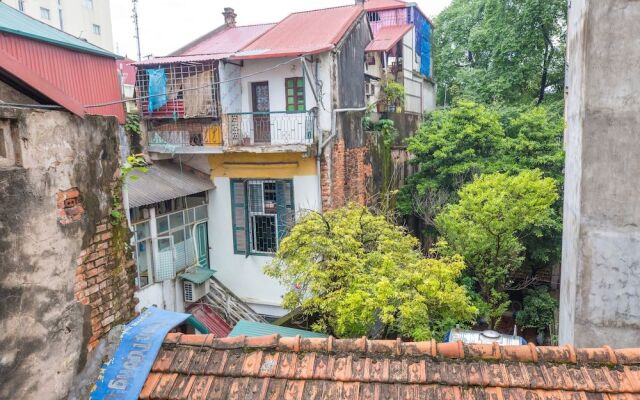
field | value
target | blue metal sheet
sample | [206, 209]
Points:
[125, 374]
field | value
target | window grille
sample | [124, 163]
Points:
[190, 88]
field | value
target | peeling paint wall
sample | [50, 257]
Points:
[44, 331]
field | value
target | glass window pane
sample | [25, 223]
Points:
[201, 213]
[142, 231]
[291, 107]
[163, 224]
[178, 237]
[289, 92]
[289, 82]
[190, 215]
[176, 220]
[300, 81]
[301, 107]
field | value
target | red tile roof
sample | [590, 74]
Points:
[203, 367]
[387, 36]
[307, 32]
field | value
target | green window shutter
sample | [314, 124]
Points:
[239, 217]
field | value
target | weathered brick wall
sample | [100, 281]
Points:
[105, 280]
[344, 175]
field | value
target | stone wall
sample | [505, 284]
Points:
[55, 203]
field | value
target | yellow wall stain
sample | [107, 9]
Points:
[261, 165]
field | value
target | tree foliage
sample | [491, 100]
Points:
[501, 50]
[538, 310]
[357, 274]
[487, 226]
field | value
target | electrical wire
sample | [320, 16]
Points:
[195, 88]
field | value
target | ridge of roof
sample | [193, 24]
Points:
[453, 350]
[17, 23]
[326, 8]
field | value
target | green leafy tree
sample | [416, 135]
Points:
[487, 226]
[501, 51]
[357, 274]
[538, 311]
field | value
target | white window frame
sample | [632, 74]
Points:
[88, 4]
[260, 213]
[97, 30]
[45, 13]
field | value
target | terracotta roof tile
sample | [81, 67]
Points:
[271, 367]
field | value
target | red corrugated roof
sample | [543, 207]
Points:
[387, 37]
[72, 79]
[228, 41]
[308, 32]
[209, 318]
[379, 5]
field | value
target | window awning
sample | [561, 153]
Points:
[165, 181]
[387, 37]
[197, 275]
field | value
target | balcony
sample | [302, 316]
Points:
[287, 131]
[184, 137]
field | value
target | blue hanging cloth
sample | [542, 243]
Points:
[157, 89]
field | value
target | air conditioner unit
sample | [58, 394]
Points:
[194, 291]
[369, 89]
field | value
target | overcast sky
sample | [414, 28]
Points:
[166, 25]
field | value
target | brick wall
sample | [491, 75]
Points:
[344, 175]
[105, 280]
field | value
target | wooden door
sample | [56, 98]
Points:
[261, 120]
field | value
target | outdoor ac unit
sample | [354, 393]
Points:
[369, 89]
[194, 291]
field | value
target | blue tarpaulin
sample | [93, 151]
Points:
[423, 41]
[157, 88]
[124, 375]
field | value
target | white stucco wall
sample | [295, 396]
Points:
[243, 275]
[230, 90]
[276, 78]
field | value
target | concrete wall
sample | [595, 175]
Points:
[77, 18]
[600, 287]
[350, 63]
[44, 331]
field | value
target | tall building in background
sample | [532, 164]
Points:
[87, 19]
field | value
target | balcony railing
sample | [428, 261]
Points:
[183, 139]
[269, 128]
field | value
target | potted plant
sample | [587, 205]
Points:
[393, 96]
[538, 312]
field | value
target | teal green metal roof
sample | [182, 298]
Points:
[197, 275]
[250, 328]
[18, 23]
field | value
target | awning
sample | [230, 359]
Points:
[197, 275]
[252, 329]
[387, 37]
[165, 181]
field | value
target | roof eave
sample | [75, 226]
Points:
[97, 52]
[292, 54]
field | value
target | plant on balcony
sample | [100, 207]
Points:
[393, 95]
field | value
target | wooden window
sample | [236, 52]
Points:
[262, 212]
[295, 94]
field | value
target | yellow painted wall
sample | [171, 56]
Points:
[261, 165]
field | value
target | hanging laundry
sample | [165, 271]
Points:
[157, 89]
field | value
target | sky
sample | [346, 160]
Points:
[166, 25]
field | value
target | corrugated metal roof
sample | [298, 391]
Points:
[250, 328]
[177, 59]
[229, 40]
[18, 23]
[214, 323]
[69, 78]
[164, 181]
[387, 37]
[307, 32]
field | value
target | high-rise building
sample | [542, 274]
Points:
[87, 19]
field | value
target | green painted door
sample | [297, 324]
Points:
[202, 244]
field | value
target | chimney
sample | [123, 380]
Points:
[229, 17]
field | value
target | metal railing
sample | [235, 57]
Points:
[269, 128]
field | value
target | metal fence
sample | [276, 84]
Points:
[268, 128]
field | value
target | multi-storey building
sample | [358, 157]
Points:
[89, 20]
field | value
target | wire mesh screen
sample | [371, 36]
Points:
[190, 91]
[265, 233]
[165, 265]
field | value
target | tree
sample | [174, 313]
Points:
[501, 51]
[487, 226]
[357, 274]
[538, 311]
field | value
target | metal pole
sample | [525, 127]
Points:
[135, 23]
